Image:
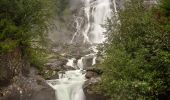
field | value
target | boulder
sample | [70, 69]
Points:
[87, 61]
[90, 74]
[28, 88]
[66, 68]
[90, 93]
[93, 72]
[12, 64]
[55, 64]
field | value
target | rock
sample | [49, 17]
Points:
[99, 60]
[91, 94]
[44, 94]
[95, 69]
[93, 72]
[49, 74]
[90, 74]
[58, 61]
[54, 77]
[12, 64]
[33, 71]
[95, 96]
[68, 68]
[52, 66]
[92, 81]
[55, 64]
[28, 88]
[78, 56]
[87, 61]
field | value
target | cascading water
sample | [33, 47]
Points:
[95, 15]
[69, 86]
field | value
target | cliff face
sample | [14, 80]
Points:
[12, 64]
[19, 81]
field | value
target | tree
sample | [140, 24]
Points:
[22, 21]
[137, 57]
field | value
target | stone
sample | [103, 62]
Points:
[87, 61]
[28, 88]
[90, 74]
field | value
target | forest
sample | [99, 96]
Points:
[132, 64]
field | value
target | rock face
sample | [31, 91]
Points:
[93, 76]
[12, 65]
[92, 94]
[55, 64]
[20, 82]
[53, 67]
[87, 61]
[28, 88]
[93, 72]
[44, 94]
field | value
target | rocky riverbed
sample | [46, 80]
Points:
[32, 85]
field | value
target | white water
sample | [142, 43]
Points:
[71, 62]
[96, 13]
[80, 63]
[69, 86]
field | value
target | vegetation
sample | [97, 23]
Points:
[22, 21]
[137, 61]
[24, 24]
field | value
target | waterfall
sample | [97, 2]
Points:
[71, 62]
[69, 86]
[80, 63]
[95, 15]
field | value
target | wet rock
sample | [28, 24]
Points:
[93, 76]
[54, 77]
[90, 74]
[95, 69]
[93, 72]
[95, 96]
[28, 88]
[68, 68]
[78, 56]
[87, 61]
[44, 94]
[55, 64]
[12, 64]
[92, 81]
[92, 94]
[49, 74]
[99, 60]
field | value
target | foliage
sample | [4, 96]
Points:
[137, 61]
[23, 20]
[22, 23]
[37, 57]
